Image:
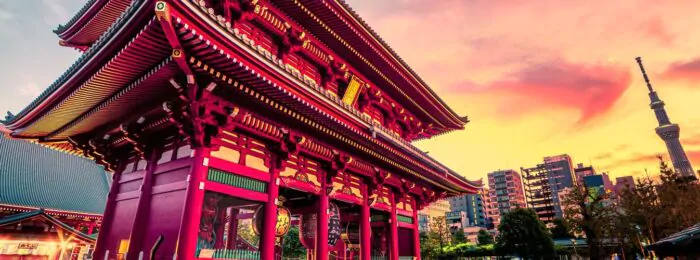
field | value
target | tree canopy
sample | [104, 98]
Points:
[651, 210]
[458, 236]
[521, 233]
[291, 245]
[561, 229]
[484, 238]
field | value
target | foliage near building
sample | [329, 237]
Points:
[521, 233]
[484, 238]
[459, 237]
[291, 245]
[560, 229]
[653, 209]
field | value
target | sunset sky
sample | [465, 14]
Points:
[537, 79]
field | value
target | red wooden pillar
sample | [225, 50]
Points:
[108, 218]
[220, 243]
[91, 228]
[139, 227]
[365, 228]
[393, 230]
[416, 231]
[267, 237]
[192, 212]
[232, 235]
[322, 223]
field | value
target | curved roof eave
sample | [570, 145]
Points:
[9, 220]
[90, 7]
[18, 120]
[456, 119]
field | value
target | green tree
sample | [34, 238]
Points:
[245, 230]
[660, 208]
[429, 244]
[560, 230]
[291, 245]
[458, 236]
[523, 234]
[439, 227]
[587, 210]
[484, 238]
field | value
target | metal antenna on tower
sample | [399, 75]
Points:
[644, 73]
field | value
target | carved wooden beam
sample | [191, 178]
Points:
[97, 150]
[334, 71]
[289, 144]
[291, 41]
[338, 163]
[132, 134]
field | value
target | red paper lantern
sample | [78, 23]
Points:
[307, 227]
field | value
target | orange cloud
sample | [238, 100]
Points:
[636, 159]
[692, 140]
[603, 156]
[590, 89]
[694, 156]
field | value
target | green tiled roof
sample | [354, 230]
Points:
[35, 176]
[40, 212]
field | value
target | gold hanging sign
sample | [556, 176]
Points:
[353, 90]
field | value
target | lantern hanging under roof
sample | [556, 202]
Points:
[308, 227]
[284, 220]
[351, 236]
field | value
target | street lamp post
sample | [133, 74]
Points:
[573, 242]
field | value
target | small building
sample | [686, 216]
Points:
[436, 209]
[472, 233]
[684, 244]
[622, 183]
[38, 235]
[474, 206]
[544, 182]
[505, 193]
[51, 202]
[456, 220]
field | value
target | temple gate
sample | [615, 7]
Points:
[219, 115]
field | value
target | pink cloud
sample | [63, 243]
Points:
[684, 70]
[590, 89]
[657, 29]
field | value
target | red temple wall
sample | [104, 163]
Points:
[124, 212]
[166, 206]
[405, 242]
[125, 205]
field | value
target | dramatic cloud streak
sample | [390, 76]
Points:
[537, 78]
[636, 159]
[590, 89]
[684, 70]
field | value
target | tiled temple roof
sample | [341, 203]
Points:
[688, 234]
[12, 219]
[35, 176]
[403, 63]
[76, 17]
[78, 64]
